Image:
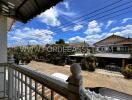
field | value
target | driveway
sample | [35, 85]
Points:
[90, 79]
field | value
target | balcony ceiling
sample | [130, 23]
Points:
[25, 10]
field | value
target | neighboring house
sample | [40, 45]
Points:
[114, 44]
[82, 47]
[112, 52]
[114, 49]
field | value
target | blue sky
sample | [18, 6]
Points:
[62, 21]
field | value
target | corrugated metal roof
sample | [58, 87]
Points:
[24, 10]
[105, 55]
[111, 55]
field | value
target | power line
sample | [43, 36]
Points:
[116, 15]
[114, 12]
[99, 14]
[111, 17]
[79, 17]
[107, 15]
[87, 14]
[103, 13]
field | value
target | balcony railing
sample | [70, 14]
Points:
[22, 83]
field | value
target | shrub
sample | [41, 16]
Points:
[58, 57]
[25, 54]
[84, 64]
[127, 71]
[88, 63]
[20, 55]
[91, 67]
[91, 63]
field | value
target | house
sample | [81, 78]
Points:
[114, 49]
[80, 48]
[114, 44]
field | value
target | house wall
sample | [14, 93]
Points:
[130, 48]
[3, 51]
[114, 49]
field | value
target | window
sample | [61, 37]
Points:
[114, 49]
[110, 49]
[124, 49]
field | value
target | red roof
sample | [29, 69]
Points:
[113, 39]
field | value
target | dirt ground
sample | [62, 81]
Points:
[90, 79]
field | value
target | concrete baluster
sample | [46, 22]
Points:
[10, 79]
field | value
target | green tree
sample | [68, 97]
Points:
[59, 56]
[60, 41]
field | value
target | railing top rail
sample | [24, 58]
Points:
[48, 81]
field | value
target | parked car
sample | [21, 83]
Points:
[113, 67]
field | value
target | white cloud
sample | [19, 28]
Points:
[126, 19]
[122, 31]
[93, 27]
[94, 38]
[92, 33]
[76, 39]
[66, 9]
[50, 17]
[77, 27]
[66, 4]
[66, 13]
[65, 29]
[127, 27]
[90, 39]
[33, 42]
[115, 29]
[41, 36]
[109, 23]
[74, 28]
[16, 38]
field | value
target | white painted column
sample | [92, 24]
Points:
[3, 52]
[3, 39]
